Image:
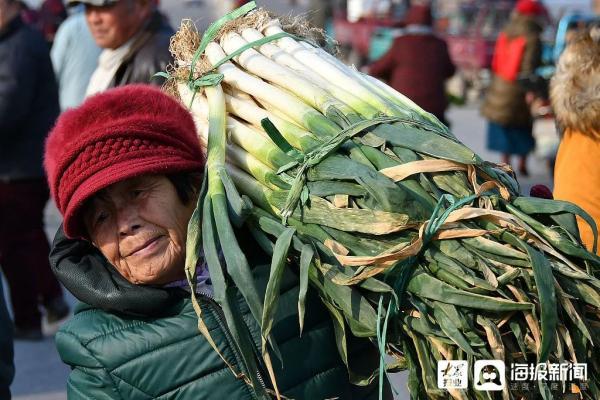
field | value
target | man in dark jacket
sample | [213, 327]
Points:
[418, 64]
[135, 37]
[28, 109]
[7, 369]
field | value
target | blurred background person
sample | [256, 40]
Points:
[51, 15]
[28, 109]
[74, 58]
[575, 93]
[7, 369]
[28, 15]
[518, 52]
[47, 18]
[418, 63]
[134, 37]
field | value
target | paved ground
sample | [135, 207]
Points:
[41, 375]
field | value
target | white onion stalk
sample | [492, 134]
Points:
[202, 131]
[250, 112]
[240, 134]
[218, 207]
[384, 91]
[239, 95]
[346, 69]
[216, 139]
[353, 73]
[199, 106]
[258, 193]
[252, 140]
[285, 59]
[293, 107]
[281, 57]
[254, 167]
[278, 112]
[265, 68]
[330, 72]
[231, 91]
[399, 99]
[199, 110]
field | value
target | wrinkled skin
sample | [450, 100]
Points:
[140, 225]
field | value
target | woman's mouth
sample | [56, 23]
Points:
[147, 247]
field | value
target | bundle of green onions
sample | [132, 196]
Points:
[408, 237]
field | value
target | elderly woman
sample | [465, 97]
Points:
[125, 170]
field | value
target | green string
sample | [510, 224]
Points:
[381, 339]
[438, 217]
[298, 191]
[405, 267]
[437, 220]
[212, 78]
[213, 30]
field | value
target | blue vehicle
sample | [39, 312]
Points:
[552, 51]
[567, 24]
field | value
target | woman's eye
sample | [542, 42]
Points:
[136, 193]
[101, 217]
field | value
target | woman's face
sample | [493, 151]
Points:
[140, 225]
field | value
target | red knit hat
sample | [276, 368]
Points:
[530, 7]
[116, 135]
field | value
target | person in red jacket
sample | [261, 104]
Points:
[517, 53]
[418, 63]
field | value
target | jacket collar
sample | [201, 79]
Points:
[415, 29]
[14, 25]
[86, 273]
[148, 30]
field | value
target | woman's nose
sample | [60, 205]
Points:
[128, 220]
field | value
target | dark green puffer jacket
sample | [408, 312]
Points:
[116, 353]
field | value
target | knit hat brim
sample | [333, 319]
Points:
[122, 133]
[118, 172]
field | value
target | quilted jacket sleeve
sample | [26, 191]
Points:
[84, 384]
[89, 379]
